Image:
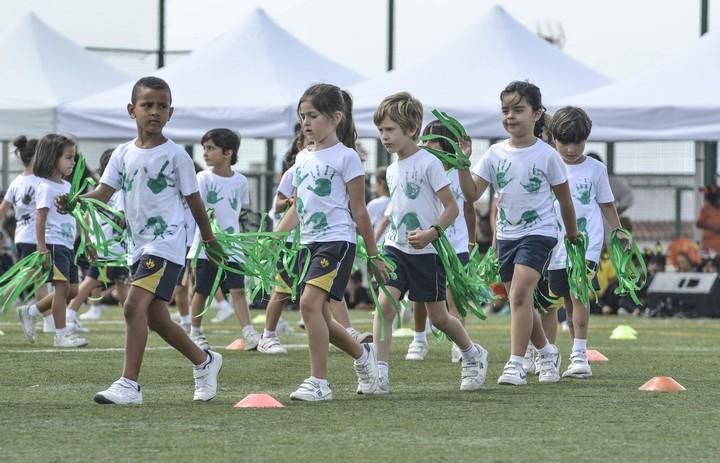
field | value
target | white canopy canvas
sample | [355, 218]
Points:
[41, 68]
[675, 100]
[249, 79]
[465, 77]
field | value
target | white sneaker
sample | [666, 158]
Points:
[367, 372]
[93, 314]
[383, 385]
[550, 367]
[76, 327]
[579, 366]
[474, 371]
[529, 360]
[537, 362]
[283, 327]
[417, 350]
[49, 324]
[301, 323]
[198, 337]
[206, 377]
[312, 391]
[271, 345]
[513, 374]
[121, 392]
[69, 340]
[223, 314]
[455, 354]
[251, 341]
[186, 327]
[27, 322]
[363, 338]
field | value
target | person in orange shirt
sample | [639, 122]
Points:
[709, 220]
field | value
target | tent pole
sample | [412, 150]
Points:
[610, 157]
[391, 35]
[5, 164]
[268, 178]
[161, 34]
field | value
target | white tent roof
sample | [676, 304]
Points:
[248, 79]
[675, 100]
[466, 76]
[41, 69]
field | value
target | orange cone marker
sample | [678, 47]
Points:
[259, 401]
[594, 356]
[238, 344]
[662, 384]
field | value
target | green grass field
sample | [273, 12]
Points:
[47, 412]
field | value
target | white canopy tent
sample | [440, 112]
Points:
[248, 79]
[675, 100]
[41, 69]
[465, 77]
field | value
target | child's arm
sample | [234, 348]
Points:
[40, 221]
[611, 214]
[356, 190]
[101, 193]
[470, 221]
[420, 239]
[282, 202]
[289, 221]
[4, 207]
[567, 210]
[197, 208]
[381, 227]
[472, 186]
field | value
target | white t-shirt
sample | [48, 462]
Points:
[590, 187]
[228, 196]
[457, 232]
[414, 205]
[322, 198]
[153, 181]
[190, 225]
[59, 228]
[21, 194]
[120, 247]
[523, 179]
[287, 189]
[376, 210]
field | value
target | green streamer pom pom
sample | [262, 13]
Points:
[579, 273]
[629, 264]
[26, 276]
[457, 159]
[485, 268]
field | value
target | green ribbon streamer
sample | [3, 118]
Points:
[485, 268]
[457, 159]
[539, 299]
[579, 273]
[30, 273]
[630, 278]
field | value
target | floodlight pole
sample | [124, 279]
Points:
[703, 17]
[161, 34]
[383, 157]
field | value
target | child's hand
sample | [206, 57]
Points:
[92, 254]
[625, 239]
[214, 250]
[381, 273]
[47, 263]
[466, 146]
[61, 204]
[418, 239]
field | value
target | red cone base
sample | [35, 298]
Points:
[238, 344]
[259, 401]
[662, 384]
[594, 356]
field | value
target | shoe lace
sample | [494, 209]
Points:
[469, 368]
[546, 362]
[511, 369]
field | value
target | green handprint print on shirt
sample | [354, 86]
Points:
[127, 181]
[535, 181]
[584, 192]
[323, 183]
[581, 224]
[410, 221]
[158, 227]
[67, 231]
[502, 219]
[501, 171]
[317, 223]
[300, 176]
[159, 183]
[213, 194]
[411, 187]
[233, 200]
[528, 218]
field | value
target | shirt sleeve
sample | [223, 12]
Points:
[44, 197]
[245, 199]
[556, 173]
[436, 175]
[185, 174]
[10, 193]
[113, 174]
[202, 186]
[285, 186]
[603, 192]
[483, 168]
[352, 166]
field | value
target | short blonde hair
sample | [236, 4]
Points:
[403, 109]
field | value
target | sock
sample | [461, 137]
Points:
[207, 360]
[364, 356]
[579, 345]
[269, 334]
[321, 381]
[420, 336]
[470, 353]
[185, 319]
[194, 330]
[131, 382]
[547, 350]
[248, 330]
[70, 314]
[517, 359]
[351, 331]
[383, 369]
[60, 332]
[33, 311]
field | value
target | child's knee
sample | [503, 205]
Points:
[520, 299]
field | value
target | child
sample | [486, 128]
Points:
[225, 191]
[524, 171]
[376, 208]
[154, 174]
[421, 205]
[330, 184]
[55, 159]
[116, 275]
[592, 199]
[459, 234]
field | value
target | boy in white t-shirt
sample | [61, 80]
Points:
[154, 174]
[421, 205]
[377, 206]
[592, 199]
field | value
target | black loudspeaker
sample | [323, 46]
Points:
[693, 294]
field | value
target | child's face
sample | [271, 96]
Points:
[518, 117]
[317, 126]
[152, 110]
[572, 153]
[393, 138]
[214, 155]
[66, 163]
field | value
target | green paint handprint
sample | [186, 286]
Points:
[158, 227]
[503, 221]
[127, 182]
[213, 194]
[233, 200]
[501, 171]
[534, 183]
[318, 223]
[159, 183]
[67, 231]
[411, 188]
[584, 192]
[229, 230]
[410, 221]
[299, 176]
[299, 206]
[323, 184]
[528, 218]
[581, 224]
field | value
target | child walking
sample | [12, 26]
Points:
[154, 174]
[421, 207]
[330, 184]
[525, 172]
[226, 192]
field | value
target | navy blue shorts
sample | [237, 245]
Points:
[330, 267]
[63, 264]
[155, 275]
[25, 249]
[532, 251]
[108, 273]
[464, 257]
[422, 276]
[205, 273]
[558, 279]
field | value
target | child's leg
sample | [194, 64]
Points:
[523, 314]
[581, 319]
[59, 302]
[182, 299]
[135, 310]
[159, 321]
[388, 310]
[420, 320]
[121, 289]
[87, 285]
[339, 310]
[312, 304]
[339, 335]
[570, 316]
[240, 305]
[198, 305]
[274, 309]
[448, 324]
[550, 324]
